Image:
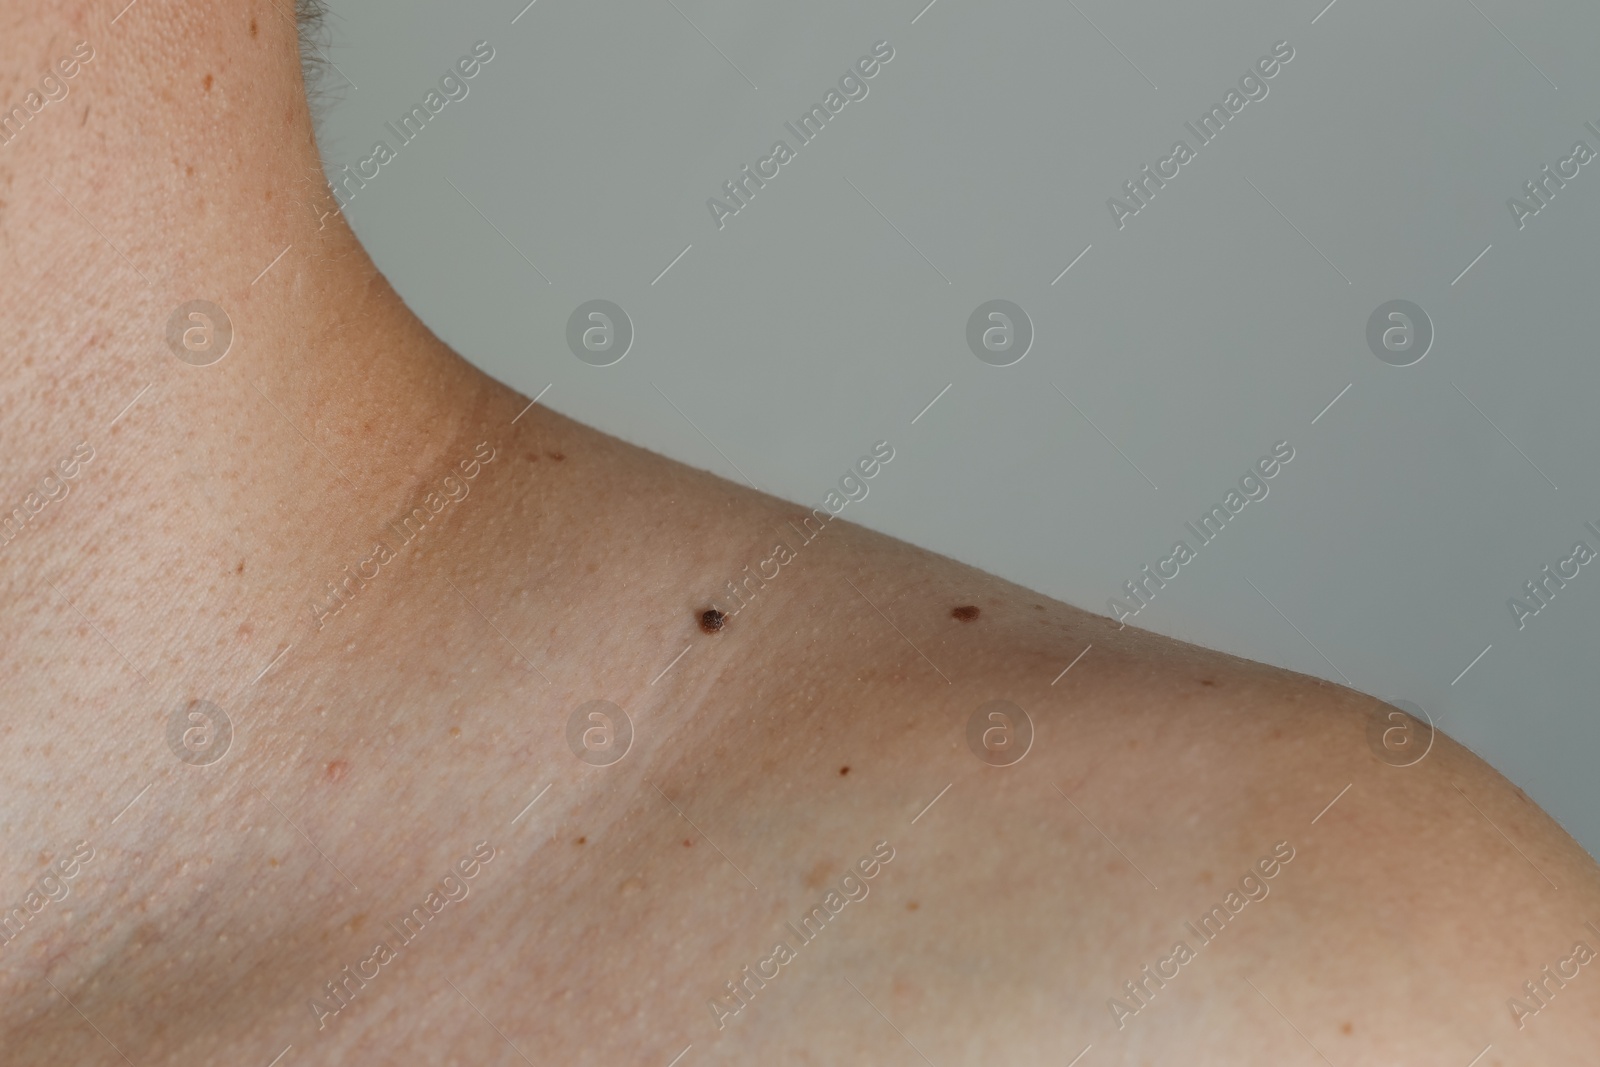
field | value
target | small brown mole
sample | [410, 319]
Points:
[338, 769]
[912, 905]
[1345, 1028]
[687, 843]
[206, 82]
[711, 620]
[966, 612]
[557, 456]
[253, 28]
[843, 771]
[1207, 681]
[240, 568]
[580, 840]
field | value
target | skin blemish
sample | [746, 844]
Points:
[206, 82]
[1345, 1028]
[240, 568]
[338, 769]
[843, 771]
[966, 613]
[557, 456]
[253, 28]
[912, 905]
[533, 457]
[688, 843]
[820, 874]
[580, 840]
[1207, 681]
[455, 731]
[711, 620]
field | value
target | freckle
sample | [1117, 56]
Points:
[269, 196]
[338, 769]
[1345, 1028]
[455, 731]
[1205, 877]
[966, 613]
[356, 922]
[206, 82]
[1038, 607]
[1207, 681]
[240, 568]
[912, 905]
[272, 861]
[819, 875]
[188, 171]
[687, 843]
[843, 771]
[253, 29]
[533, 457]
[557, 456]
[580, 841]
[711, 620]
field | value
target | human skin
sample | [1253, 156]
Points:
[373, 751]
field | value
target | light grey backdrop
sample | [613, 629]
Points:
[1222, 318]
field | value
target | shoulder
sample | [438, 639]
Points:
[1103, 837]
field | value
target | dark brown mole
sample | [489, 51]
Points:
[1207, 681]
[206, 81]
[966, 613]
[843, 771]
[253, 30]
[240, 568]
[711, 620]
[580, 840]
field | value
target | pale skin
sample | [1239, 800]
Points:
[426, 715]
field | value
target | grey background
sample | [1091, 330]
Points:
[1224, 317]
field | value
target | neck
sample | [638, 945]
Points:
[147, 185]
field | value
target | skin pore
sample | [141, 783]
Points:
[422, 730]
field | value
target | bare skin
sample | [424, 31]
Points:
[376, 747]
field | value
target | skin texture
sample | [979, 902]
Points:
[373, 750]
